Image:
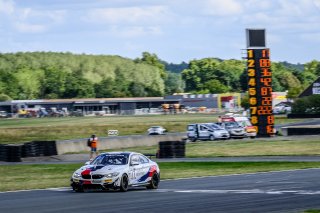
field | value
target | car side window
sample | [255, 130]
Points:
[135, 159]
[143, 159]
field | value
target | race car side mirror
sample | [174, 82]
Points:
[87, 163]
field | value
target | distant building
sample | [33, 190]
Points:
[89, 105]
[313, 89]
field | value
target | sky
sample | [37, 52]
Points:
[174, 30]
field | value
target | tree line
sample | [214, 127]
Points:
[50, 75]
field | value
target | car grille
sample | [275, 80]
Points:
[86, 176]
[93, 176]
[97, 176]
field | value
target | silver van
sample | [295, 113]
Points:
[206, 131]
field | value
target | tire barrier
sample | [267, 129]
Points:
[10, 153]
[14, 153]
[3, 152]
[172, 149]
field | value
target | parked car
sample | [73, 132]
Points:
[156, 130]
[206, 131]
[117, 171]
[4, 114]
[244, 122]
[234, 129]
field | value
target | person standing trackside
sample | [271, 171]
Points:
[93, 146]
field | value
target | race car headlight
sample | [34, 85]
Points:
[111, 175]
[76, 175]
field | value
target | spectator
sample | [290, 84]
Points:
[93, 146]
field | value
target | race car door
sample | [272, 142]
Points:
[145, 169]
[135, 170]
[139, 169]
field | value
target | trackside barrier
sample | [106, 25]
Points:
[172, 149]
[301, 130]
[14, 153]
[116, 142]
[291, 115]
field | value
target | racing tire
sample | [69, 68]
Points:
[124, 185]
[211, 138]
[154, 183]
[78, 189]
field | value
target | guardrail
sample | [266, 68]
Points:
[301, 130]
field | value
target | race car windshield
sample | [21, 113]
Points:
[111, 159]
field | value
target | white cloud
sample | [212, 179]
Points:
[311, 37]
[28, 20]
[135, 31]
[6, 6]
[29, 28]
[127, 15]
[317, 3]
[223, 8]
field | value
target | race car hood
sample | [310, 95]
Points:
[101, 169]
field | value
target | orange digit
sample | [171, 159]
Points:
[253, 101]
[252, 82]
[253, 110]
[254, 120]
[252, 91]
[250, 53]
[251, 72]
[270, 119]
[250, 63]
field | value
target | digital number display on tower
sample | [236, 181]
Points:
[260, 91]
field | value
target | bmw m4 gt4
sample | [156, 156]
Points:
[118, 171]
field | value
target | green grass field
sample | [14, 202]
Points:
[37, 176]
[22, 130]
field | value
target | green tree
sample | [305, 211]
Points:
[29, 82]
[174, 84]
[137, 89]
[245, 101]
[4, 97]
[307, 105]
[152, 59]
[294, 92]
[104, 89]
[215, 86]
[78, 87]
[53, 84]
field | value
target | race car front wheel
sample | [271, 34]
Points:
[154, 183]
[124, 183]
[78, 189]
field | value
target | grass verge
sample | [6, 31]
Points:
[20, 130]
[37, 176]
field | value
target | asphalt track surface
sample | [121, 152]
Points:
[286, 191]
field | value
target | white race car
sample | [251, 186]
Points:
[156, 130]
[118, 171]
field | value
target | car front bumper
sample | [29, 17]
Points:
[108, 183]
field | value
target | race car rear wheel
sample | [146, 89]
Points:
[124, 185]
[154, 183]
